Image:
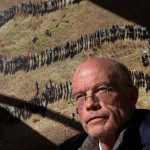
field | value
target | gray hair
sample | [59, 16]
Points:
[123, 73]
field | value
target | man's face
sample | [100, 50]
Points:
[105, 116]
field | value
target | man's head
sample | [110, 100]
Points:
[105, 96]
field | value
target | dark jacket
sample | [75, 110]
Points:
[135, 137]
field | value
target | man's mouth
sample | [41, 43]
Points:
[95, 120]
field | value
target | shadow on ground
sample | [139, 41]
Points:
[133, 10]
[20, 136]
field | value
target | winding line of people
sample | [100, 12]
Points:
[38, 104]
[63, 91]
[141, 79]
[53, 93]
[7, 14]
[31, 8]
[72, 48]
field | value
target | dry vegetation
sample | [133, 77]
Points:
[66, 24]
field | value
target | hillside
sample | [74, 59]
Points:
[66, 24]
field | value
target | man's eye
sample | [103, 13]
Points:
[101, 89]
[79, 97]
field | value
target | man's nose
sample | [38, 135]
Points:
[92, 103]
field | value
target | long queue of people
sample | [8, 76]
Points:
[38, 104]
[63, 91]
[6, 15]
[31, 8]
[72, 48]
[140, 79]
[53, 93]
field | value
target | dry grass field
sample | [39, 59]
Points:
[65, 24]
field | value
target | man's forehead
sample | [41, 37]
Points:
[86, 72]
[90, 75]
[89, 71]
[95, 63]
[88, 78]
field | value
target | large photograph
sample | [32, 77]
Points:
[74, 68]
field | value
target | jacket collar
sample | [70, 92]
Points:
[90, 143]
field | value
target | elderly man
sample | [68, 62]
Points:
[105, 103]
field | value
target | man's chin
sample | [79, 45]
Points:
[96, 127]
[96, 131]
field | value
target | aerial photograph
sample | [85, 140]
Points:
[74, 75]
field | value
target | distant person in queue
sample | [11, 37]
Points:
[106, 105]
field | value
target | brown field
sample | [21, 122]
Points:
[66, 24]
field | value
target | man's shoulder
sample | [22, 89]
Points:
[143, 111]
[142, 115]
[74, 142]
[137, 133]
[145, 129]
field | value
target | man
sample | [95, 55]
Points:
[105, 103]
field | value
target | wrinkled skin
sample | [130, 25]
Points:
[103, 119]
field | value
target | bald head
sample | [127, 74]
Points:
[113, 69]
[100, 87]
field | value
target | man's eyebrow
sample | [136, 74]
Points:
[78, 92]
[102, 84]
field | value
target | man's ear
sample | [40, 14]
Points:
[134, 94]
[77, 110]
